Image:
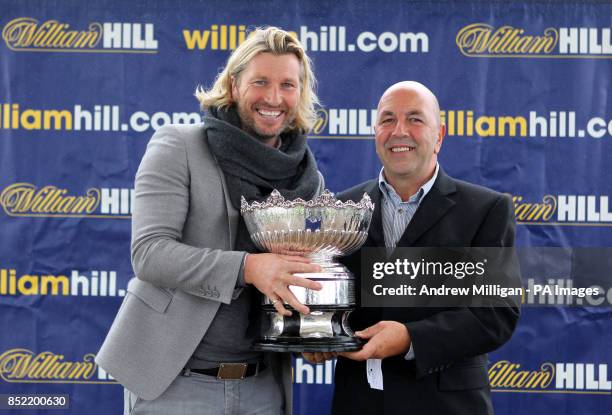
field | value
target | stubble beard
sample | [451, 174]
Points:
[249, 125]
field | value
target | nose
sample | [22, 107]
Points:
[401, 129]
[273, 95]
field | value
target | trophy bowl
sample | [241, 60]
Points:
[321, 229]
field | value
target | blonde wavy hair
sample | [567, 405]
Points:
[265, 40]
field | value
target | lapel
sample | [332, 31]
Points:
[232, 213]
[433, 207]
[376, 238]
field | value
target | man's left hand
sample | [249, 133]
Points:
[385, 339]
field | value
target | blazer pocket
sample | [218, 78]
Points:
[156, 298]
[457, 378]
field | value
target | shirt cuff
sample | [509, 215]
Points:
[410, 354]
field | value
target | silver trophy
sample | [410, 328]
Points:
[321, 229]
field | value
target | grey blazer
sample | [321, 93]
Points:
[183, 231]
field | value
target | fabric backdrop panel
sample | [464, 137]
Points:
[524, 90]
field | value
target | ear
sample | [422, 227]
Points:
[234, 88]
[440, 138]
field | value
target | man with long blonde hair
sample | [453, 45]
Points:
[181, 342]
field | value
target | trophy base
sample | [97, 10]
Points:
[325, 329]
[299, 345]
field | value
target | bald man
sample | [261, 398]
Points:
[422, 360]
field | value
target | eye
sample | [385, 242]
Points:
[259, 82]
[288, 85]
[386, 121]
[416, 120]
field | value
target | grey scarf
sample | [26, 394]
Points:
[253, 169]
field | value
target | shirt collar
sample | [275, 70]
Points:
[389, 192]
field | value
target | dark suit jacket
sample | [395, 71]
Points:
[449, 372]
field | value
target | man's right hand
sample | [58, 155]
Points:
[272, 274]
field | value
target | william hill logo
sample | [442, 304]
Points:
[350, 123]
[486, 41]
[26, 199]
[25, 366]
[574, 210]
[25, 34]
[588, 378]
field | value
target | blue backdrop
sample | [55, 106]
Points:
[526, 95]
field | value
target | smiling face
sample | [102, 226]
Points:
[267, 93]
[408, 134]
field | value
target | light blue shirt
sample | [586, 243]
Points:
[396, 215]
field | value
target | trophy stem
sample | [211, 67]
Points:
[326, 328]
[322, 259]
